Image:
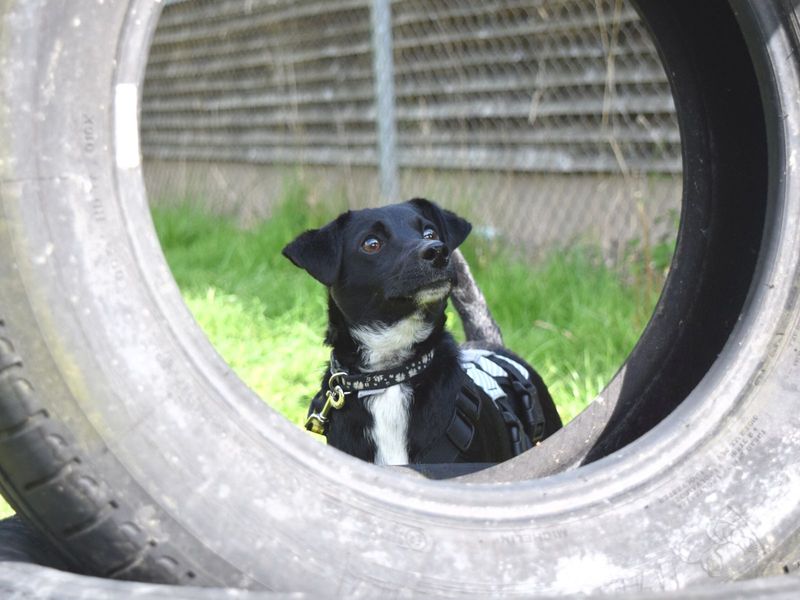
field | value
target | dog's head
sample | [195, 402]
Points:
[382, 264]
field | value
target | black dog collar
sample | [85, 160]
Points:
[378, 380]
[341, 383]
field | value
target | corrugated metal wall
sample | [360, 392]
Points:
[548, 86]
[561, 105]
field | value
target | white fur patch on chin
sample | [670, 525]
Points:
[432, 294]
[390, 412]
[385, 346]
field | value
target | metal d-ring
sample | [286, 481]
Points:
[335, 393]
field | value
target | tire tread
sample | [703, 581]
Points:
[44, 477]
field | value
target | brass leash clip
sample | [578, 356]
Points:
[317, 422]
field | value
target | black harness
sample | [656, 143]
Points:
[497, 414]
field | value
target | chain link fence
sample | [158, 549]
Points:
[547, 121]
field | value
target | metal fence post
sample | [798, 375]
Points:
[383, 66]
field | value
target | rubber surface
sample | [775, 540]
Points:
[26, 572]
[29, 582]
[139, 455]
[19, 542]
[21, 579]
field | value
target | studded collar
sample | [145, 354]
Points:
[378, 380]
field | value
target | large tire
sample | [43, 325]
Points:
[140, 455]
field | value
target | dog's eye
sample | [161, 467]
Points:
[430, 234]
[371, 245]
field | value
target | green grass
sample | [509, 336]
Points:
[572, 318]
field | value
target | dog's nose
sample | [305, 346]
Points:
[436, 253]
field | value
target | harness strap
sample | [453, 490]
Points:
[532, 414]
[483, 412]
[460, 433]
[478, 414]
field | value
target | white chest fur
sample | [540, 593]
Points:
[390, 412]
[383, 347]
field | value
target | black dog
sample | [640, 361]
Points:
[398, 389]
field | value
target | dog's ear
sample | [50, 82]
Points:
[454, 228]
[319, 251]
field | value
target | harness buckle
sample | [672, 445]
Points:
[317, 422]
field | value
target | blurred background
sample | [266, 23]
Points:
[548, 123]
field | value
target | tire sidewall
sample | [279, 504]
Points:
[245, 499]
